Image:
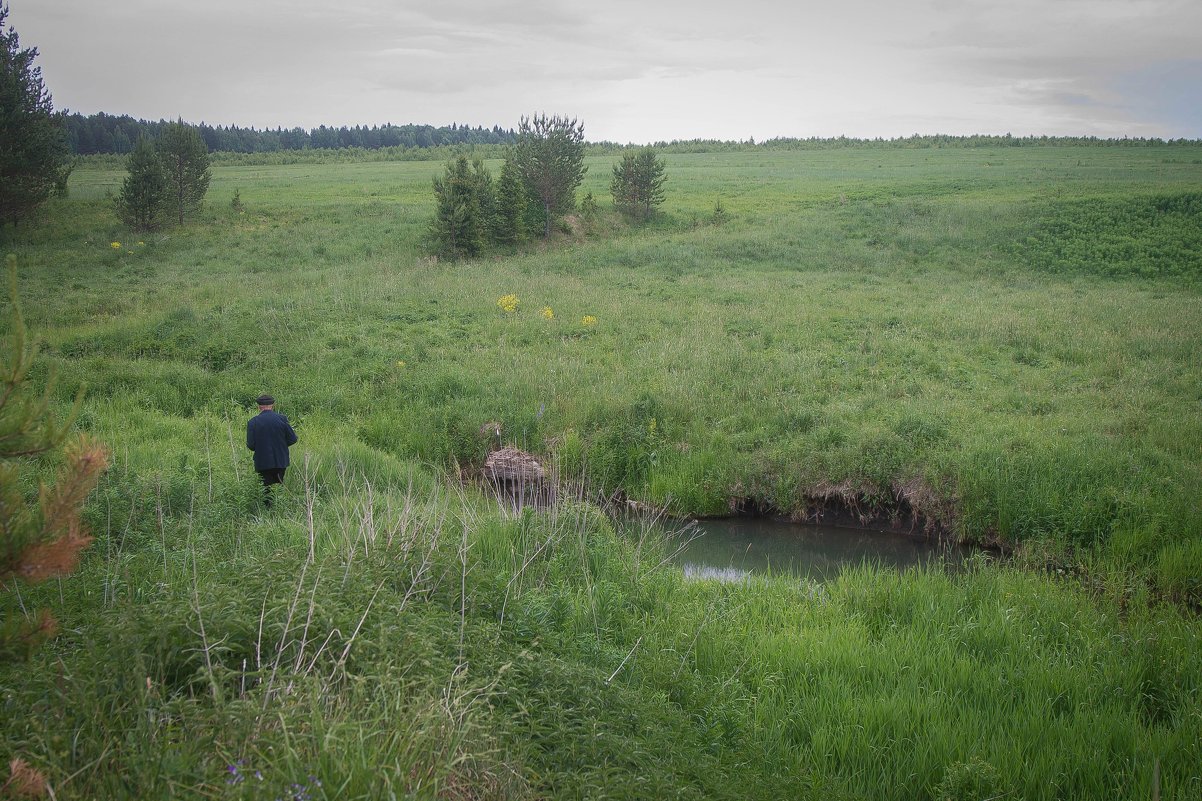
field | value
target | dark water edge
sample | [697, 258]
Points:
[731, 549]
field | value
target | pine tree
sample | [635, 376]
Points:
[549, 154]
[43, 539]
[622, 186]
[34, 157]
[185, 161]
[638, 183]
[144, 195]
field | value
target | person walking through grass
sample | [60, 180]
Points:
[270, 436]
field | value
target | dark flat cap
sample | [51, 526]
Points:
[265, 400]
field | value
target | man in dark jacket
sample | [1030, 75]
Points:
[269, 436]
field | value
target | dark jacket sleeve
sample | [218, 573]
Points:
[250, 437]
[289, 434]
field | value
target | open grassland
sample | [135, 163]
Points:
[1006, 342]
[868, 324]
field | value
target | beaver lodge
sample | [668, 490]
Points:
[512, 466]
[517, 477]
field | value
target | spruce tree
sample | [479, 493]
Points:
[458, 228]
[486, 198]
[185, 161]
[512, 209]
[34, 158]
[144, 193]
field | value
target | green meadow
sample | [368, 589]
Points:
[999, 345]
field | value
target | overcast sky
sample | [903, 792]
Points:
[635, 70]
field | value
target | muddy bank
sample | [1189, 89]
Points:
[912, 508]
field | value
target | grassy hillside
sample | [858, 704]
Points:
[1003, 342]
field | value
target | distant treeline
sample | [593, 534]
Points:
[100, 135]
[916, 142]
[347, 155]
[106, 134]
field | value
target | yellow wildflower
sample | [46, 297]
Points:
[141, 244]
[115, 245]
[588, 320]
[508, 303]
[547, 313]
[400, 362]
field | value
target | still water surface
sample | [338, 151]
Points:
[733, 548]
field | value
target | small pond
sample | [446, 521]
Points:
[731, 549]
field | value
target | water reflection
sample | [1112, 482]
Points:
[734, 548]
[711, 573]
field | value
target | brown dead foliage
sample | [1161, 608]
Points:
[56, 558]
[911, 504]
[845, 496]
[928, 508]
[24, 781]
[61, 503]
[63, 535]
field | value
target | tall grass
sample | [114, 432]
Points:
[435, 645]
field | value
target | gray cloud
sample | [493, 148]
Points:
[635, 70]
[1167, 93]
